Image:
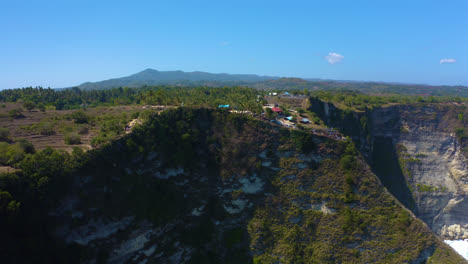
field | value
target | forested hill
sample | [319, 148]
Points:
[363, 87]
[154, 77]
[150, 77]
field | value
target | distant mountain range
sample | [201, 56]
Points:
[154, 77]
[151, 77]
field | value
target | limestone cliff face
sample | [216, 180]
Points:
[436, 170]
[417, 157]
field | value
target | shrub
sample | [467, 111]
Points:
[48, 163]
[84, 130]
[15, 154]
[16, 113]
[72, 139]
[269, 113]
[300, 111]
[303, 141]
[29, 105]
[46, 129]
[11, 154]
[41, 107]
[3, 151]
[403, 220]
[112, 125]
[101, 139]
[4, 134]
[135, 115]
[460, 132]
[347, 162]
[316, 120]
[26, 145]
[80, 117]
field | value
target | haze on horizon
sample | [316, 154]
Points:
[62, 44]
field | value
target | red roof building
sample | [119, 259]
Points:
[277, 110]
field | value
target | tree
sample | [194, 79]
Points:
[29, 105]
[46, 163]
[8, 206]
[304, 141]
[72, 139]
[41, 107]
[26, 145]
[269, 113]
[80, 117]
[300, 110]
[11, 154]
[46, 128]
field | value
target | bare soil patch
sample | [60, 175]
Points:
[24, 127]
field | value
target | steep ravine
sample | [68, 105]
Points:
[417, 157]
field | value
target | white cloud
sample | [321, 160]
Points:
[442, 61]
[333, 57]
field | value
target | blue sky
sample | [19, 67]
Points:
[65, 43]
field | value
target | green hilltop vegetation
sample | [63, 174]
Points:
[242, 190]
[372, 88]
[238, 96]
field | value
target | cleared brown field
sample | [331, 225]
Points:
[289, 102]
[23, 127]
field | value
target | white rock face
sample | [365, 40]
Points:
[437, 170]
[198, 211]
[135, 243]
[238, 206]
[97, 229]
[443, 169]
[251, 186]
[169, 173]
[323, 208]
[456, 231]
